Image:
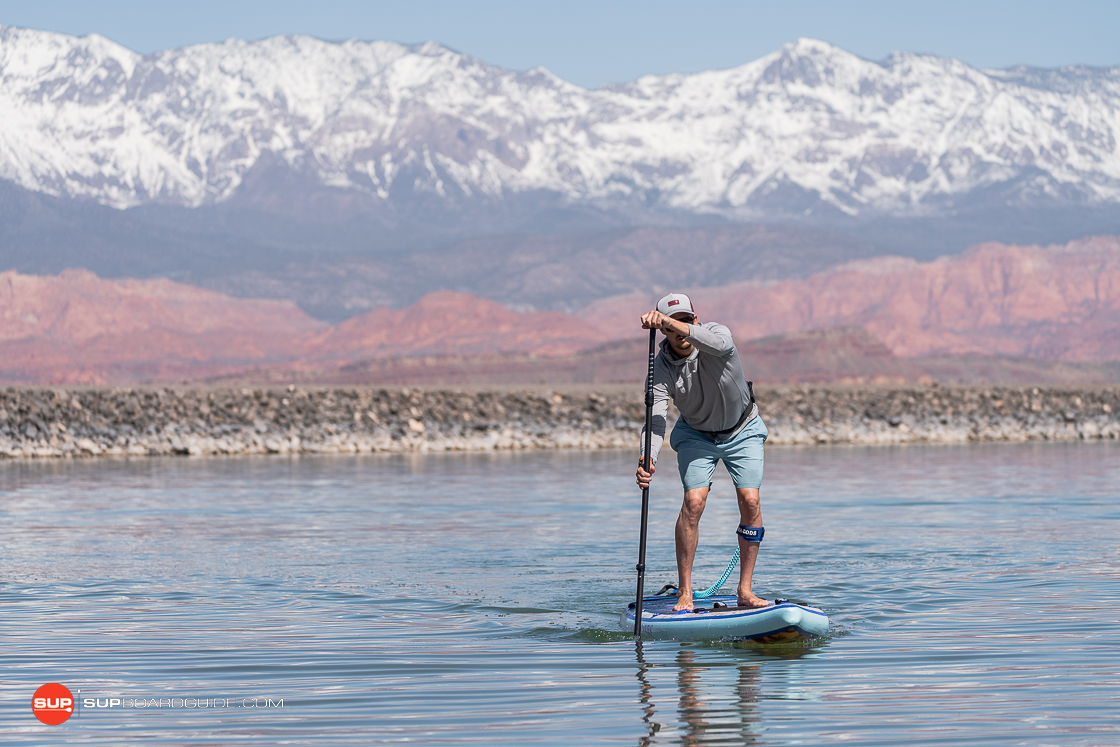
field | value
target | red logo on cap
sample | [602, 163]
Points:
[52, 704]
[674, 302]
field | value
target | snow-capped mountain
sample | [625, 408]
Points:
[807, 128]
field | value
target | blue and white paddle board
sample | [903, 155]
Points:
[785, 621]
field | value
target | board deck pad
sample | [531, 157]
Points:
[787, 621]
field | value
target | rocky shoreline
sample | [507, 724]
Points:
[150, 421]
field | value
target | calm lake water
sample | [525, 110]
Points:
[455, 599]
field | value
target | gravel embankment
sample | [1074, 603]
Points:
[71, 422]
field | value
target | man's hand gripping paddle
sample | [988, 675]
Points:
[647, 463]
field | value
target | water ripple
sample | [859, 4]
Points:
[473, 599]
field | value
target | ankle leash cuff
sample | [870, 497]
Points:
[751, 534]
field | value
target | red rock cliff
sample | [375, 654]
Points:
[1057, 302]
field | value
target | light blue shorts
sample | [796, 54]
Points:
[697, 455]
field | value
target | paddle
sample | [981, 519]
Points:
[646, 462]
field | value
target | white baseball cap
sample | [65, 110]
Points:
[675, 303]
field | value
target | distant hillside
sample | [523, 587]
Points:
[551, 272]
[839, 355]
[447, 322]
[846, 355]
[76, 328]
[998, 313]
[1049, 303]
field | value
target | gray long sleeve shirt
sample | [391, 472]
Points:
[708, 386]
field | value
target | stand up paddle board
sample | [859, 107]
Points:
[719, 617]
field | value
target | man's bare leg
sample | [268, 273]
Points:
[750, 514]
[688, 534]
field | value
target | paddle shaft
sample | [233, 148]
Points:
[646, 463]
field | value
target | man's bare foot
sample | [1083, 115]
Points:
[750, 600]
[684, 601]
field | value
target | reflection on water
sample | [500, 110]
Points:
[704, 720]
[453, 599]
[645, 689]
[716, 697]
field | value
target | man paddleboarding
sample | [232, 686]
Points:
[699, 368]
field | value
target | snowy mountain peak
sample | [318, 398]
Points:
[807, 128]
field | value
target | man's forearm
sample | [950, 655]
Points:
[681, 328]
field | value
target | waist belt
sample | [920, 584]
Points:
[720, 436]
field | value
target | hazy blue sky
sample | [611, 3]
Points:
[595, 42]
